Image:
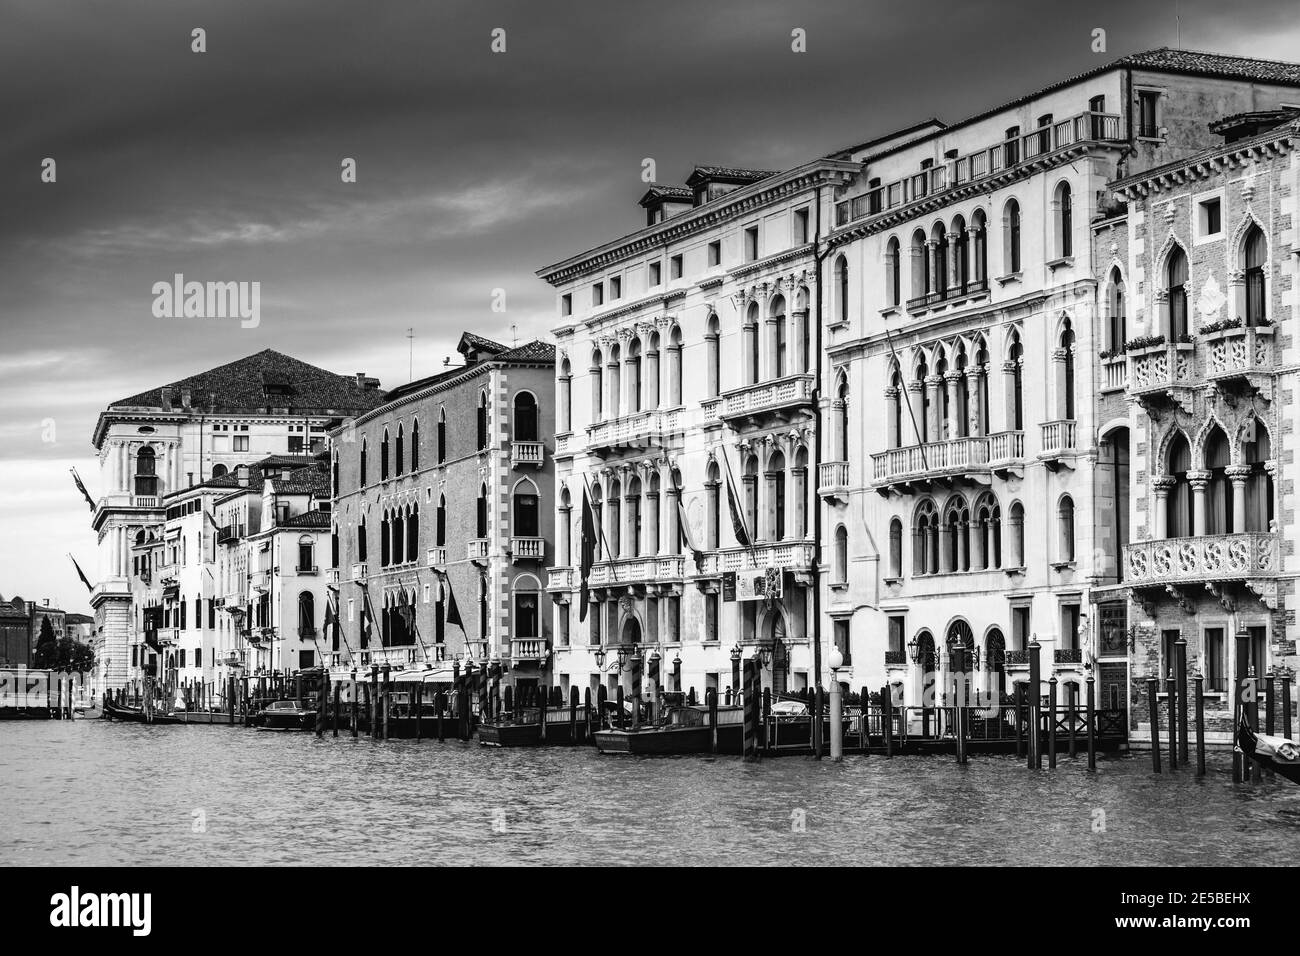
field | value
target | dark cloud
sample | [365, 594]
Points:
[475, 169]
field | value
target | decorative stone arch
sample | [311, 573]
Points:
[778, 619]
[1236, 243]
[924, 509]
[1105, 429]
[1161, 261]
[1059, 328]
[1198, 440]
[1012, 333]
[955, 502]
[1162, 450]
[629, 614]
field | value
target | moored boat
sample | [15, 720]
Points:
[1275, 753]
[138, 715]
[525, 730]
[685, 730]
[287, 715]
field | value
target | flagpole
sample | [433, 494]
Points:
[733, 503]
[911, 413]
[600, 529]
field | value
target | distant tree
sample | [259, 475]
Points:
[82, 658]
[47, 647]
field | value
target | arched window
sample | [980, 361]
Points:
[776, 483]
[306, 553]
[751, 344]
[1015, 362]
[440, 523]
[713, 348]
[842, 419]
[799, 494]
[1016, 526]
[220, 471]
[1011, 231]
[1259, 481]
[986, 543]
[896, 409]
[482, 610]
[927, 660]
[439, 613]
[776, 315]
[1253, 253]
[841, 555]
[363, 463]
[1218, 492]
[146, 474]
[675, 367]
[1065, 521]
[750, 479]
[481, 513]
[442, 434]
[634, 376]
[956, 556]
[895, 548]
[598, 514]
[1178, 504]
[397, 537]
[525, 417]
[980, 261]
[1067, 372]
[1176, 290]
[385, 537]
[925, 539]
[399, 458]
[960, 255]
[361, 540]
[1116, 307]
[415, 445]
[920, 266]
[597, 386]
[633, 503]
[923, 426]
[1064, 203]
[614, 380]
[841, 311]
[413, 534]
[383, 457]
[564, 390]
[893, 272]
[527, 608]
[713, 491]
[482, 421]
[306, 614]
[613, 519]
[525, 509]
[939, 239]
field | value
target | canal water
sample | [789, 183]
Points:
[90, 792]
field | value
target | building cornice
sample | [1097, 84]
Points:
[1174, 175]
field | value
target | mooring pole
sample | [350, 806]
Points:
[1239, 685]
[1200, 725]
[1035, 704]
[1171, 692]
[1153, 706]
[1091, 683]
[1051, 722]
[1180, 677]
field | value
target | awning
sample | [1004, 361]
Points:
[438, 673]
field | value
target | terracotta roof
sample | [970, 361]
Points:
[309, 519]
[729, 172]
[658, 193]
[242, 386]
[534, 351]
[1286, 130]
[470, 341]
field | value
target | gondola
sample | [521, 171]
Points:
[138, 715]
[1278, 754]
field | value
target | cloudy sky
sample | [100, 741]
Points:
[474, 169]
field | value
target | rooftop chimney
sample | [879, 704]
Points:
[241, 475]
[166, 392]
[185, 398]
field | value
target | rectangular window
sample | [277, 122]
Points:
[801, 227]
[598, 294]
[616, 287]
[1215, 681]
[751, 243]
[198, 657]
[1209, 218]
[655, 274]
[1168, 638]
[1020, 627]
[593, 628]
[711, 618]
[562, 624]
[715, 253]
[842, 641]
[306, 659]
[180, 658]
[241, 443]
[896, 631]
[566, 304]
[295, 444]
[1149, 114]
[1070, 627]
[675, 267]
[352, 605]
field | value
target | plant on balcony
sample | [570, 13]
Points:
[1116, 352]
[1185, 339]
[1221, 326]
[1144, 342]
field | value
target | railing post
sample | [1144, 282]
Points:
[1092, 722]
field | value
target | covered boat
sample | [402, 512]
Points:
[1275, 753]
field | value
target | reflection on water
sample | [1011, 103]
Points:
[93, 792]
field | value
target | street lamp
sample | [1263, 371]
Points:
[600, 658]
[914, 650]
[836, 661]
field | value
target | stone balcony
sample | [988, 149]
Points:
[561, 579]
[1114, 373]
[763, 403]
[790, 555]
[833, 480]
[527, 549]
[527, 453]
[478, 549]
[1237, 353]
[1227, 358]
[359, 572]
[1156, 369]
[975, 458]
[1059, 442]
[527, 649]
[1205, 562]
[653, 569]
[437, 557]
[639, 432]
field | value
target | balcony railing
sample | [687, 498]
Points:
[560, 579]
[332, 576]
[437, 557]
[564, 444]
[649, 569]
[1067, 655]
[955, 456]
[1230, 353]
[307, 569]
[1003, 156]
[527, 453]
[1199, 559]
[895, 658]
[1114, 372]
[1059, 436]
[225, 535]
[793, 555]
[527, 649]
[527, 549]
[764, 398]
[1017, 658]
[477, 549]
[1161, 367]
[639, 430]
[403, 654]
[832, 478]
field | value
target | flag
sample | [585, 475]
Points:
[684, 528]
[405, 611]
[367, 618]
[588, 547]
[82, 488]
[81, 574]
[737, 514]
[453, 612]
[331, 623]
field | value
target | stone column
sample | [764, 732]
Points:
[1200, 481]
[974, 413]
[613, 387]
[1009, 394]
[892, 418]
[598, 407]
[799, 477]
[945, 548]
[934, 423]
[672, 532]
[769, 325]
[629, 545]
[953, 383]
[932, 255]
[1238, 475]
[916, 420]
[1162, 486]
[963, 546]
[674, 375]
[954, 266]
[650, 379]
[802, 358]
[650, 522]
